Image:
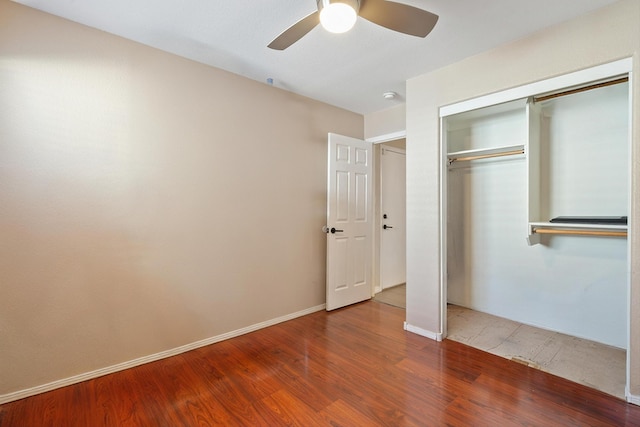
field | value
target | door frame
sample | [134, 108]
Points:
[377, 206]
[381, 201]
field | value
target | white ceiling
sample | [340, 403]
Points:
[350, 70]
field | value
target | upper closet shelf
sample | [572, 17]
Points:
[578, 226]
[485, 153]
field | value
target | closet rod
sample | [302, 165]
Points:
[486, 156]
[581, 232]
[580, 89]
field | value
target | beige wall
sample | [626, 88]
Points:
[603, 36]
[385, 122]
[146, 201]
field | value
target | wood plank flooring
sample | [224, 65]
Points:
[351, 367]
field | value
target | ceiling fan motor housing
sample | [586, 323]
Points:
[355, 4]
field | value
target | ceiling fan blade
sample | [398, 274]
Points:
[398, 17]
[295, 32]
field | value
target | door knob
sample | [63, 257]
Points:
[334, 230]
[386, 226]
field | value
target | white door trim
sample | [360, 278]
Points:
[387, 137]
[375, 254]
[381, 212]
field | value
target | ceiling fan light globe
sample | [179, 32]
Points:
[338, 17]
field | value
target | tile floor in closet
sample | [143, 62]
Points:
[586, 362]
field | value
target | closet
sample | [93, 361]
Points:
[535, 200]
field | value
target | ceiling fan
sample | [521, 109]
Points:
[340, 15]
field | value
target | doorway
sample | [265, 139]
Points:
[391, 222]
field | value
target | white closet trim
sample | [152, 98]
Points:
[599, 72]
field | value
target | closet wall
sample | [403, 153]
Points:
[579, 166]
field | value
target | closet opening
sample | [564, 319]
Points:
[535, 199]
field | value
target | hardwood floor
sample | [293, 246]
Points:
[351, 367]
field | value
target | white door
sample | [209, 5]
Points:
[349, 221]
[393, 237]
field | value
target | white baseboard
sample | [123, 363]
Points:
[10, 397]
[423, 332]
[632, 398]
